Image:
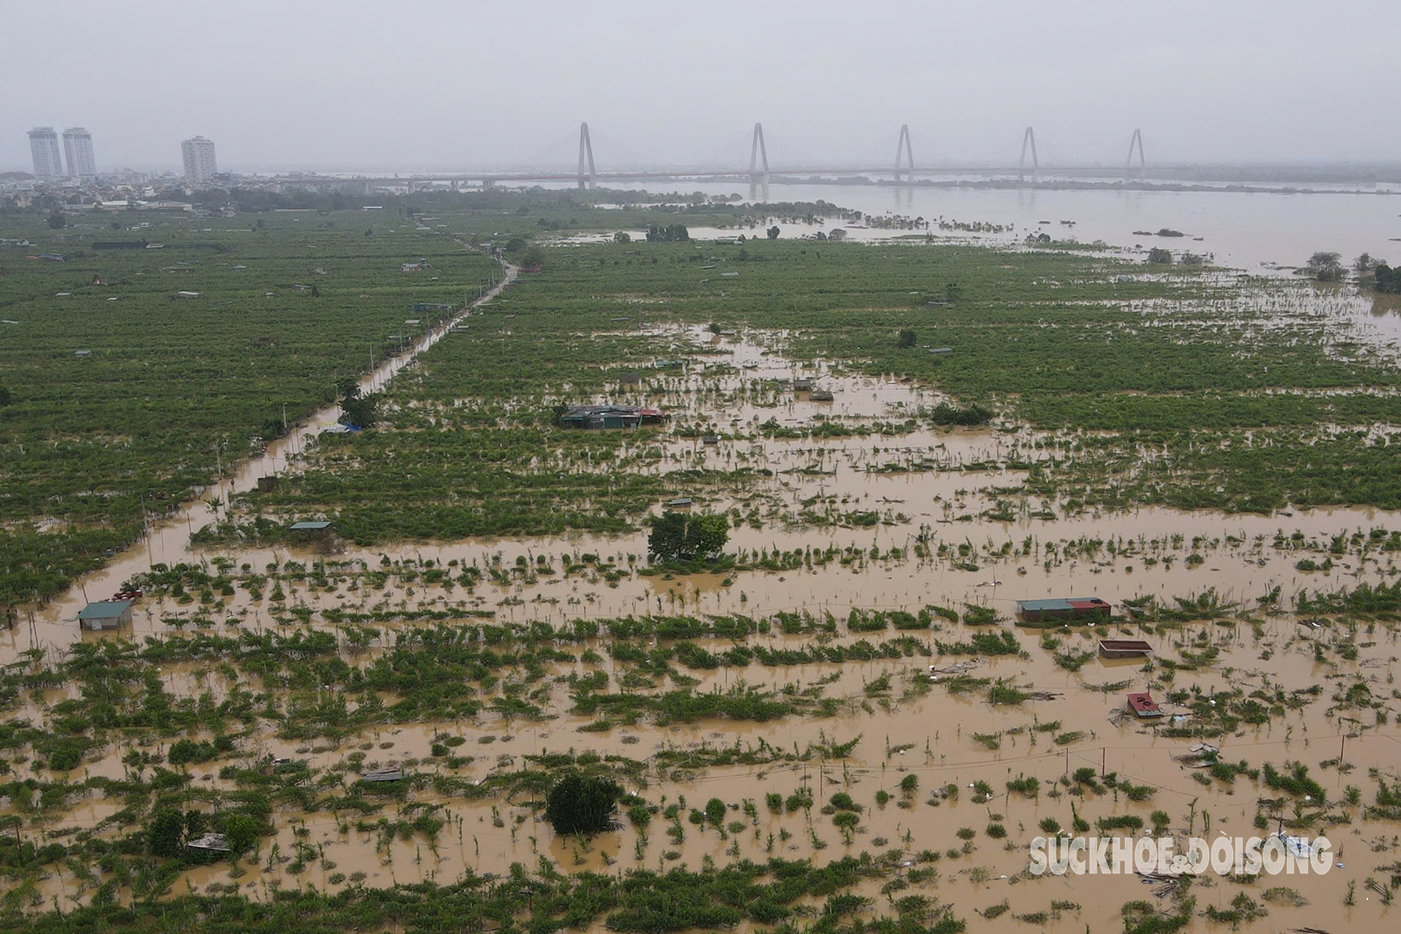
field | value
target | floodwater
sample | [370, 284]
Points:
[1250, 231]
[949, 504]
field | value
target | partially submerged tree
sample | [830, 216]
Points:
[165, 834]
[669, 233]
[1326, 267]
[1386, 279]
[679, 536]
[357, 409]
[582, 804]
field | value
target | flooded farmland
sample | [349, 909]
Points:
[847, 687]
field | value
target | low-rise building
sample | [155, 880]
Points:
[610, 416]
[105, 614]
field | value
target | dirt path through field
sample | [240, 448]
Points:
[168, 540]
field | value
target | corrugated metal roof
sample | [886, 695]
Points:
[1054, 603]
[310, 526]
[104, 609]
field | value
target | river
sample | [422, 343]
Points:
[1251, 231]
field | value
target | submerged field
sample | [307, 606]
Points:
[837, 725]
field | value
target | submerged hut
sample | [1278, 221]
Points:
[105, 614]
[1124, 648]
[310, 531]
[1070, 609]
[210, 843]
[1142, 705]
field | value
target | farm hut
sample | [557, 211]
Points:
[309, 531]
[710, 440]
[632, 378]
[1071, 609]
[105, 614]
[595, 417]
[820, 395]
[1142, 705]
[802, 385]
[378, 776]
[679, 503]
[1124, 648]
[185, 293]
[210, 843]
[651, 416]
[941, 351]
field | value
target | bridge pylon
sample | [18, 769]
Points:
[758, 165]
[589, 178]
[758, 158]
[1028, 139]
[1135, 140]
[902, 148]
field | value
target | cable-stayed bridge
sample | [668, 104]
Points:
[587, 173]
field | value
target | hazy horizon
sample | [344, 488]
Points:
[436, 86]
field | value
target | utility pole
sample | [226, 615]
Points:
[146, 527]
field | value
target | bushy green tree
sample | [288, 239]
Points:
[582, 804]
[242, 831]
[1160, 256]
[165, 835]
[1385, 279]
[671, 233]
[907, 337]
[1326, 267]
[679, 536]
[357, 409]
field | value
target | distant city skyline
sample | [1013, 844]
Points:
[1244, 82]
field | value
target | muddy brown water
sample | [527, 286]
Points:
[1240, 562]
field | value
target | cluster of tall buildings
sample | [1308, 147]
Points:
[48, 160]
[197, 154]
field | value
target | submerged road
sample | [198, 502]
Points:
[167, 541]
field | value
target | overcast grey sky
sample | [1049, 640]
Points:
[412, 85]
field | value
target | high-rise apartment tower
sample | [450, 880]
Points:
[43, 146]
[77, 146]
[198, 154]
